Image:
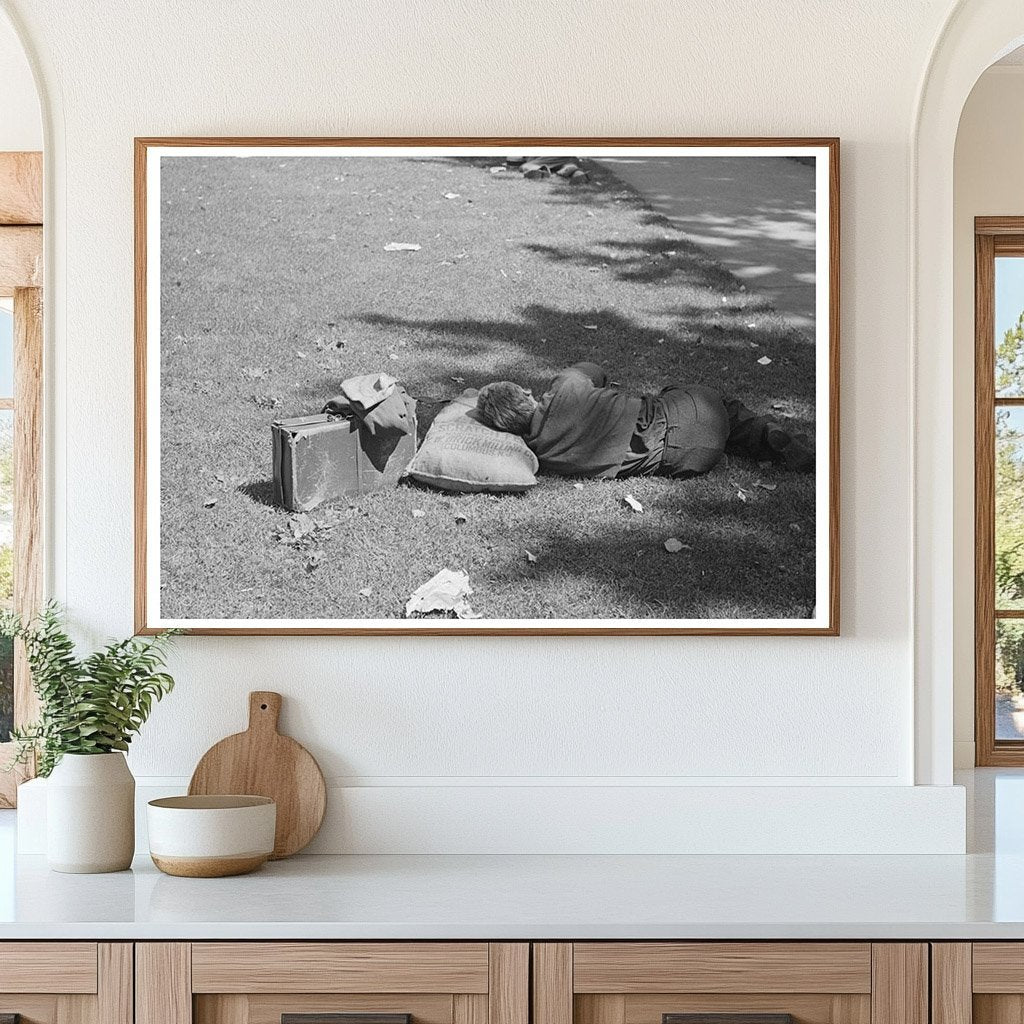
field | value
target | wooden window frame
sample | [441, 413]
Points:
[21, 278]
[993, 236]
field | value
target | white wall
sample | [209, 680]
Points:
[21, 127]
[457, 712]
[987, 181]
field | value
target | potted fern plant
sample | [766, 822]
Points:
[90, 708]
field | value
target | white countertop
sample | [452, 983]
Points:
[517, 897]
[977, 896]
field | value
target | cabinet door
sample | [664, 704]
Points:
[730, 983]
[332, 983]
[65, 983]
[980, 982]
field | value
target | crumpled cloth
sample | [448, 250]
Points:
[377, 400]
[448, 592]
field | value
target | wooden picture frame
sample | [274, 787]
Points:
[820, 615]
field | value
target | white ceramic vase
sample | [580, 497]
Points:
[90, 814]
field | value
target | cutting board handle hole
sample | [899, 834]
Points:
[263, 707]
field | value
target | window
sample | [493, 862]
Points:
[999, 490]
[21, 365]
[6, 510]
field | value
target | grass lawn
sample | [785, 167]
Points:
[276, 286]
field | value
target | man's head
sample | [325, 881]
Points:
[506, 406]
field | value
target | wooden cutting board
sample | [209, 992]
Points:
[262, 762]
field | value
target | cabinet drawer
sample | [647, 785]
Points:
[64, 967]
[66, 982]
[332, 983]
[981, 982]
[634, 967]
[340, 967]
[730, 983]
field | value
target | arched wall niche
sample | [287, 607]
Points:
[975, 35]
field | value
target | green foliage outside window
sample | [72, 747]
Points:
[1009, 510]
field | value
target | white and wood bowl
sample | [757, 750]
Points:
[211, 836]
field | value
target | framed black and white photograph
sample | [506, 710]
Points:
[487, 386]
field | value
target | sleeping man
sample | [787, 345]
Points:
[583, 427]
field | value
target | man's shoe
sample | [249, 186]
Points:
[793, 451]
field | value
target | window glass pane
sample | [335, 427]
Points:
[6, 566]
[6, 352]
[1009, 537]
[1009, 324]
[1009, 679]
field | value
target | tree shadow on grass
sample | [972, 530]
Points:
[552, 337]
[545, 340]
[736, 570]
[646, 261]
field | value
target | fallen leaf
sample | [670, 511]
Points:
[590, 327]
[301, 525]
[632, 503]
[531, 557]
[742, 495]
[301, 355]
[778, 405]
[391, 355]
[796, 528]
[764, 486]
[402, 247]
[459, 380]
[751, 325]
[578, 487]
[459, 520]
[673, 544]
[451, 195]
[366, 592]
[764, 361]
[209, 503]
[496, 170]
[418, 513]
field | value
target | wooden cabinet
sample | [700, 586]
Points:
[494, 983]
[753, 982]
[265, 982]
[66, 982]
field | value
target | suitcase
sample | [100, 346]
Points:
[322, 457]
